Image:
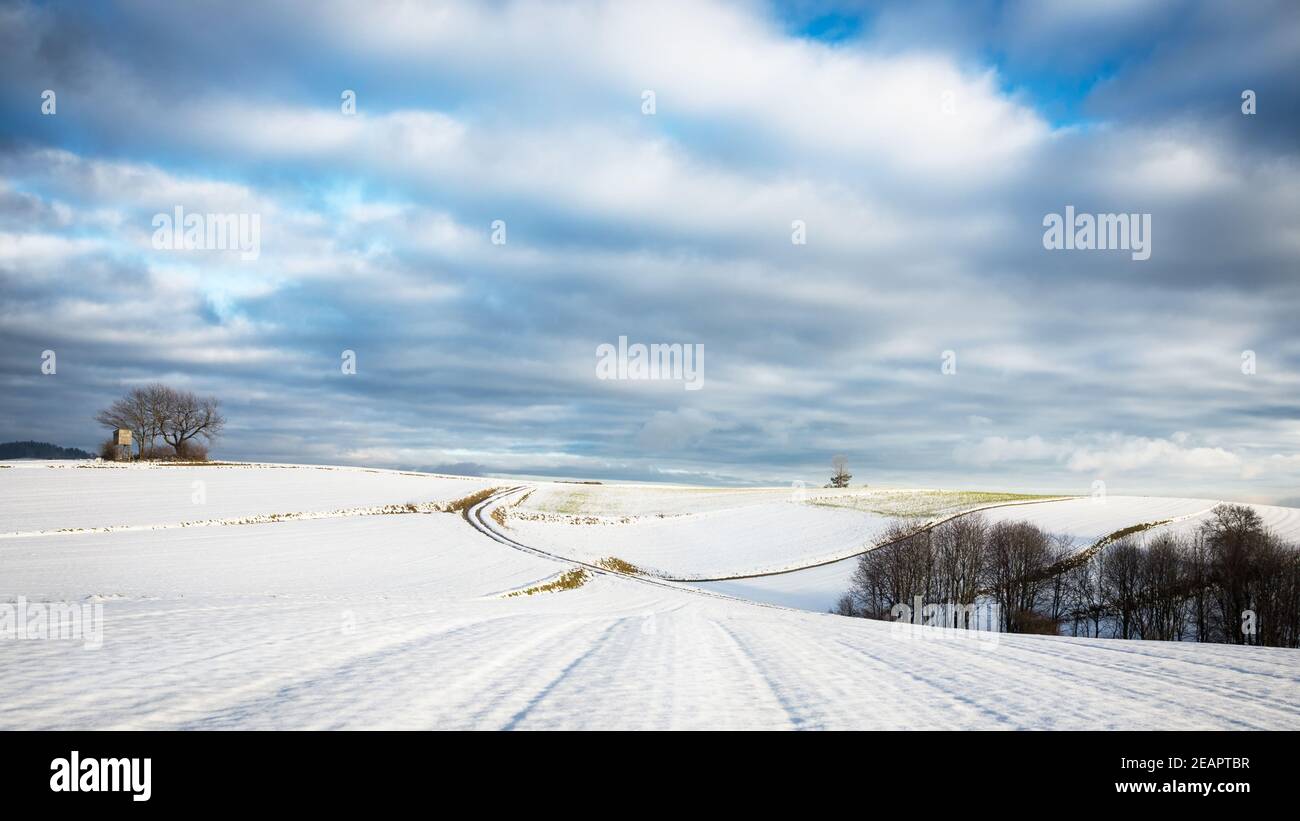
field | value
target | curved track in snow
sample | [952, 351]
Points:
[478, 518]
[402, 622]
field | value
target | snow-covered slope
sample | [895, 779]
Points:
[814, 588]
[1084, 520]
[1284, 521]
[403, 621]
[763, 535]
[1087, 520]
[700, 533]
[39, 496]
[623, 500]
[750, 539]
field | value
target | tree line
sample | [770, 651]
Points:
[185, 422]
[39, 450]
[1232, 580]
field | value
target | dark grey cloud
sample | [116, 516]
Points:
[668, 229]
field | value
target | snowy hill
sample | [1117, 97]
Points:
[377, 617]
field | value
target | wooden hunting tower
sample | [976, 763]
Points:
[122, 438]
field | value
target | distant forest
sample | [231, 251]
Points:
[39, 450]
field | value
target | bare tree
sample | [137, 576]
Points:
[1233, 581]
[1018, 560]
[1253, 572]
[960, 557]
[124, 414]
[895, 573]
[1280, 606]
[1236, 538]
[138, 412]
[846, 606]
[1057, 588]
[1200, 581]
[1121, 583]
[1087, 606]
[157, 411]
[1162, 603]
[187, 415]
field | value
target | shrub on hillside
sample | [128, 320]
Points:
[110, 452]
[192, 451]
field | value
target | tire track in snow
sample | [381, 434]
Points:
[1102, 667]
[480, 522]
[930, 525]
[1090, 670]
[255, 519]
[270, 693]
[552, 682]
[823, 562]
[1093, 671]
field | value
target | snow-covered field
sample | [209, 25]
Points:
[404, 621]
[621, 500]
[1084, 520]
[1087, 520]
[772, 533]
[751, 539]
[42, 496]
[704, 533]
[1284, 521]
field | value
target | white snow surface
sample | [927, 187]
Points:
[1084, 520]
[775, 534]
[1284, 521]
[751, 539]
[400, 621]
[1087, 520]
[45, 496]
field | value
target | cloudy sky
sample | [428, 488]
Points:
[920, 146]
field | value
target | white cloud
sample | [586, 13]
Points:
[36, 251]
[719, 61]
[923, 227]
[1105, 454]
[675, 430]
[996, 449]
[1121, 454]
